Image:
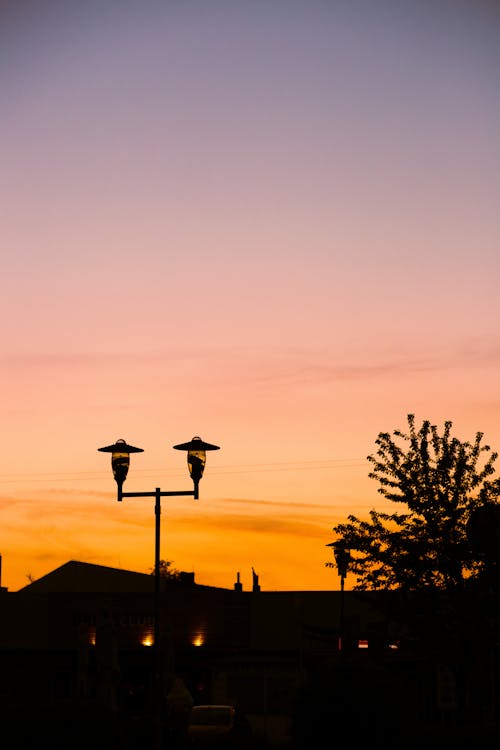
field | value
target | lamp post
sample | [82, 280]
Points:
[342, 556]
[120, 460]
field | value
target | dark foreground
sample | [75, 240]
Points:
[81, 730]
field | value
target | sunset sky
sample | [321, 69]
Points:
[272, 224]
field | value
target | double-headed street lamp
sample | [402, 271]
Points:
[342, 555]
[120, 460]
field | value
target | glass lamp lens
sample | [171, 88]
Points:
[120, 463]
[196, 463]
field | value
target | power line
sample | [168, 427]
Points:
[316, 465]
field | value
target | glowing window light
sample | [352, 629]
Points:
[198, 640]
[394, 646]
[147, 640]
[363, 643]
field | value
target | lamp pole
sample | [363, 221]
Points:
[120, 461]
[342, 556]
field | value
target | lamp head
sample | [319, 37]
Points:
[120, 460]
[196, 458]
[342, 555]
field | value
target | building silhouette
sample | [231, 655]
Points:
[76, 646]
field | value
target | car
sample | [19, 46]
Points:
[218, 726]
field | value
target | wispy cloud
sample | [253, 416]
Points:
[274, 364]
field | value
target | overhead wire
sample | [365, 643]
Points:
[313, 465]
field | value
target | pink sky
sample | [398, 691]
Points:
[274, 225]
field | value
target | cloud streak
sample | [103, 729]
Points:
[272, 364]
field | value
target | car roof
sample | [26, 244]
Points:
[212, 705]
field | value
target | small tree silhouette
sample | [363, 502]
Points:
[167, 571]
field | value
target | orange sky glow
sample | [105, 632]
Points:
[273, 227]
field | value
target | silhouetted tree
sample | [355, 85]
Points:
[442, 481]
[167, 570]
[438, 555]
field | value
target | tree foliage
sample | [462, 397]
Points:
[441, 482]
[167, 570]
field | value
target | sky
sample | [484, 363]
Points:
[272, 224]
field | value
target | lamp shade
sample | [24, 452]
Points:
[342, 555]
[196, 444]
[120, 458]
[196, 457]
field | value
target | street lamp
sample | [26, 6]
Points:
[120, 461]
[342, 555]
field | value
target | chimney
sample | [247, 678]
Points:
[2, 588]
[255, 577]
[238, 586]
